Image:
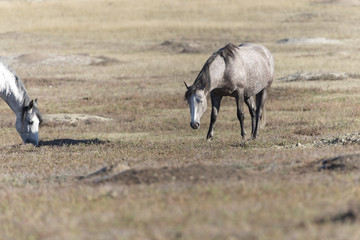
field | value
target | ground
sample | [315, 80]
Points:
[117, 158]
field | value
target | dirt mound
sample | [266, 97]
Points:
[35, 60]
[350, 215]
[180, 47]
[187, 46]
[104, 173]
[70, 119]
[308, 76]
[308, 41]
[342, 163]
[193, 173]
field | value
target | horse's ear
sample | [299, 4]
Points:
[35, 102]
[187, 87]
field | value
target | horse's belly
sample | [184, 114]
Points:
[253, 89]
[223, 91]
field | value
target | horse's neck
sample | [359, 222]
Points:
[216, 75]
[212, 84]
[12, 91]
[208, 89]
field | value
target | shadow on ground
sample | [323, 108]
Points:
[68, 141]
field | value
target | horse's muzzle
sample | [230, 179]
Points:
[34, 142]
[195, 125]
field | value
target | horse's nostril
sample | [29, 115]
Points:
[195, 125]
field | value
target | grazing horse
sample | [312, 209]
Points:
[242, 72]
[28, 117]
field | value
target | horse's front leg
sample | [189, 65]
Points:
[215, 107]
[239, 96]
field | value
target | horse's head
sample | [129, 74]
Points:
[196, 99]
[27, 124]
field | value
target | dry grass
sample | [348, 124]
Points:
[280, 195]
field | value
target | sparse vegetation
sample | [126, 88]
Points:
[126, 61]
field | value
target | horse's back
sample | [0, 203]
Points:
[256, 65]
[257, 51]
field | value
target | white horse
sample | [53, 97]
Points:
[28, 117]
[242, 72]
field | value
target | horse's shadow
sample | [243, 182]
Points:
[67, 142]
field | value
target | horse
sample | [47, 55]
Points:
[28, 116]
[244, 72]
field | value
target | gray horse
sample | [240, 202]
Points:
[28, 117]
[242, 72]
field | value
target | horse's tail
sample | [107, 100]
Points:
[263, 118]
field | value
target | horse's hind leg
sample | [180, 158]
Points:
[240, 111]
[260, 103]
[251, 105]
[215, 102]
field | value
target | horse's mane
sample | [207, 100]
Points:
[204, 75]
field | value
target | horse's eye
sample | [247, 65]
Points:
[31, 122]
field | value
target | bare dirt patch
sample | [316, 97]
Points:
[307, 17]
[194, 174]
[38, 59]
[70, 119]
[311, 76]
[308, 41]
[51, 82]
[341, 2]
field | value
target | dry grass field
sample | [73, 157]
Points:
[108, 75]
